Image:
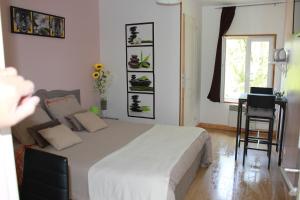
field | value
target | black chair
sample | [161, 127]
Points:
[45, 176]
[265, 90]
[259, 107]
[261, 90]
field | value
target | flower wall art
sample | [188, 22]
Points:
[140, 70]
[30, 22]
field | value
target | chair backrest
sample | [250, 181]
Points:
[261, 90]
[45, 176]
[263, 101]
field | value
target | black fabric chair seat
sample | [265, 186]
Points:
[260, 113]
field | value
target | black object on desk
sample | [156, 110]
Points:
[280, 129]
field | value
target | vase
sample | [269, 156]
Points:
[103, 102]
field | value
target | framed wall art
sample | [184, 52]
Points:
[140, 82]
[141, 105]
[30, 22]
[140, 59]
[140, 70]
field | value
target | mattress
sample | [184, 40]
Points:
[96, 146]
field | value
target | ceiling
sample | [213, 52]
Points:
[234, 2]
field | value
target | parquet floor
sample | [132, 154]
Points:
[226, 179]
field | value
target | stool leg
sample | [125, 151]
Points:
[246, 140]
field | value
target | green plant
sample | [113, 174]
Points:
[144, 61]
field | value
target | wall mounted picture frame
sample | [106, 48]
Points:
[140, 59]
[140, 34]
[57, 27]
[140, 82]
[140, 70]
[21, 20]
[141, 105]
[30, 22]
[41, 24]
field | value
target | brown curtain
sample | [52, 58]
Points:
[225, 23]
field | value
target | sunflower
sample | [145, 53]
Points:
[98, 67]
[96, 75]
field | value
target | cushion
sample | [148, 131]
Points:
[60, 107]
[76, 126]
[34, 132]
[90, 121]
[60, 137]
[260, 112]
[20, 131]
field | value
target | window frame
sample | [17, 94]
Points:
[250, 37]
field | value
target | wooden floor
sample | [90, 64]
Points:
[226, 179]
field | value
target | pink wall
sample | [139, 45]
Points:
[57, 63]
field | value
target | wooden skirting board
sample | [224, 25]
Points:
[217, 127]
[225, 128]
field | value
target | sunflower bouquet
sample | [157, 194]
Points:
[101, 78]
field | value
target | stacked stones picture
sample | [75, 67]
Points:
[30, 22]
[140, 59]
[139, 34]
[140, 82]
[140, 105]
[140, 70]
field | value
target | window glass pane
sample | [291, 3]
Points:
[235, 68]
[259, 64]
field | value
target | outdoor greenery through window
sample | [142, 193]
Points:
[246, 64]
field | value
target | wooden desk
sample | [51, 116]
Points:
[280, 129]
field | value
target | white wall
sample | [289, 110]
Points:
[267, 19]
[114, 14]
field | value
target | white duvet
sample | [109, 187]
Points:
[141, 169]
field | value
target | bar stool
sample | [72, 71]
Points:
[260, 107]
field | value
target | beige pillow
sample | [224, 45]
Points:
[20, 131]
[61, 107]
[60, 136]
[90, 121]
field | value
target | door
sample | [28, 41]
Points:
[190, 71]
[291, 151]
[8, 180]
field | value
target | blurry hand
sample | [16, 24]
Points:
[16, 100]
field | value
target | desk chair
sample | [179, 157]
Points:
[45, 176]
[265, 90]
[260, 107]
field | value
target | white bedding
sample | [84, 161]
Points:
[141, 170]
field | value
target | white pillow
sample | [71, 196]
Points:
[60, 136]
[90, 121]
[60, 107]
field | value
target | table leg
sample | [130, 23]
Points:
[281, 134]
[240, 121]
[278, 129]
[237, 139]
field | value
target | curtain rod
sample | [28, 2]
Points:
[253, 4]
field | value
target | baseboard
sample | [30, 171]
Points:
[224, 128]
[217, 127]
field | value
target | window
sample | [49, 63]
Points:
[246, 64]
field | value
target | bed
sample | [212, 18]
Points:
[99, 145]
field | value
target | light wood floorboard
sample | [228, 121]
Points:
[226, 179]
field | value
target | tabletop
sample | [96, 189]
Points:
[278, 100]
